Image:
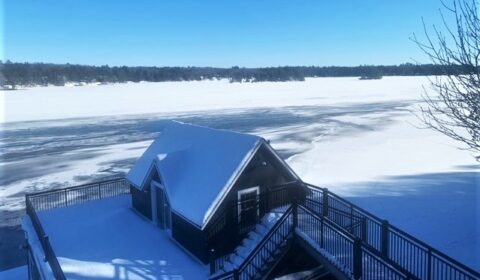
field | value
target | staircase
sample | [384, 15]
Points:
[261, 250]
[317, 273]
[352, 242]
[253, 238]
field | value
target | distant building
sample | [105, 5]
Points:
[189, 177]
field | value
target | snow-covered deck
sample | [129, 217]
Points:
[106, 239]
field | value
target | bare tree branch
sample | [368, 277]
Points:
[454, 107]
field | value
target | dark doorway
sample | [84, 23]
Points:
[248, 208]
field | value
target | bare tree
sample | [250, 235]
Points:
[454, 106]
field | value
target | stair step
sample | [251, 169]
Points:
[228, 266]
[253, 237]
[260, 229]
[242, 251]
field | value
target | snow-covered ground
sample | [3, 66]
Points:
[45, 103]
[105, 239]
[19, 273]
[358, 138]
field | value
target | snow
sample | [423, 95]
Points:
[19, 273]
[358, 138]
[194, 96]
[65, 170]
[255, 236]
[339, 261]
[37, 249]
[416, 179]
[100, 239]
[196, 165]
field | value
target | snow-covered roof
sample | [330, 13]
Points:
[197, 166]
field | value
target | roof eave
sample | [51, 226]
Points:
[231, 182]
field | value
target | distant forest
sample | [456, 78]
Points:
[32, 74]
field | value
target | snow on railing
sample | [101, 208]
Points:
[50, 256]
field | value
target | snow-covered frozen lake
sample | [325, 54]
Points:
[358, 138]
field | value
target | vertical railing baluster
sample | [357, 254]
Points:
[429, 264]
[364, 230]
[325, 202]
[385, 242]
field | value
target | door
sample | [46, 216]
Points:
[248, 208]
[160, 206]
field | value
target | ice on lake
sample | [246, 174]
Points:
[358, 138]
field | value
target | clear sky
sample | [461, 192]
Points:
[219, 33]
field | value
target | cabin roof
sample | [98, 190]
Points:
[197, 166]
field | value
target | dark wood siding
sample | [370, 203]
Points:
[264, 170]
[141, 201]
[190, 237]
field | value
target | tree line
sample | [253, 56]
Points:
[32, 74]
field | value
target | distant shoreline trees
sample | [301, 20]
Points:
[42, 74]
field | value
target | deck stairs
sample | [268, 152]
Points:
[318, 273]
[248, 244]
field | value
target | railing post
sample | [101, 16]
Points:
[325, 202]
[99, 192]
[236, 275]
[29, 262]
[351, 220]
[385, 239]
[295, 212]
[321, 233]
[357, 258]
[429, 263]
[65, 196]
[364, 230]
[47, 252]
[212, 261]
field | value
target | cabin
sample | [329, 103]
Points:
[206, 203]
[209, 187]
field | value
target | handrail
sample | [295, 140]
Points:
[429, 252]
[272, 189]
[75, 187]
[50, 256]
[266, 238]
[364, 248]
[228, 221]
[238, 270]
[31, 210]
[72, 195]
[370, 252]
[337, 211]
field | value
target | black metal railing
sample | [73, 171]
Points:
[418, 258]
[50, 256]
[344, 250]
[65, 197]
[365, 246]
[78, 194]
[226, 230]
[272, 245]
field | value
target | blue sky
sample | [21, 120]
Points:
[248, 33]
